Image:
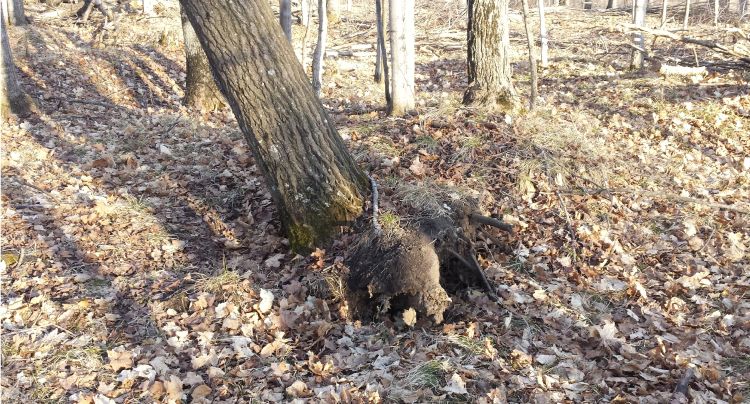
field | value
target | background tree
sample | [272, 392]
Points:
[382, 54]
[333, 11]
[532, 51]
[14, 12]
[314, 182]
[686, 19]
[489, 70]
[664, 6]
[320, 48]
[401, 21]
[12, 98]
[639, 18]
[543, 36]
[285, 17]
[201, 91]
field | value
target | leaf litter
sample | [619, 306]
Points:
[142, 258]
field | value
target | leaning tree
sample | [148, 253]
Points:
[315, 183]
[489, 70]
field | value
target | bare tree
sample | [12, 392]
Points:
[639, 17]
[716, 12]
[315, 183]
[687, 15]
[401, 22]
[543, 36]
[532, 51]
[14, 12]
[320, 48]
[382, 53]
[13, 100]
[333, 11]
[664, 5]
[285, 17]
[201, 91]
[489, 70]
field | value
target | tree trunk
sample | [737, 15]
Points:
[14, 12]
[743, 9]
[201, 91]
[489, 70]
[315, 183]
[664, 5]
[716, 12]
[383, 55]
[401, 21]
[639, 18]
[543, 36]
[532, 52]
[687, 15]
[304, 11]
[612, 4]
[320, 48]
[13, 100]
[285, 18]
[333, 11]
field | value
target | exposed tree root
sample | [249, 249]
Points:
[395, 269]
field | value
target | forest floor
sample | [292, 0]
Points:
[142, 259]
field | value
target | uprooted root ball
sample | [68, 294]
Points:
[398, 270]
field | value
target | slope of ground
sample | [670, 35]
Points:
[142, 260]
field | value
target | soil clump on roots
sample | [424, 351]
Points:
[418, 264]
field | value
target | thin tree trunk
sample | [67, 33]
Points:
[664, 5]
[489, 70]
[716, 12]
[314, 182]
[13, 100]
[333, 11]
[285, 18]
[14, 12]
[401, 22]
[378, 63]
[320, 48]
[201, 91]
[306, 14]
[304, 10]
[543, 36]
[639, 17]
[532, 51]
[382, 51]
[687, 15]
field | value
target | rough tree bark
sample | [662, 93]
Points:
[543, 36]
[12, 98]
[639, 18]
[285, 17]
[14, 12]
[314, 182]
[532, 52]
[201, 91]
[401, 21]
[320, 48]
[489, 69]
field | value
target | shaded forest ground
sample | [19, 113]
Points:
[142, 258]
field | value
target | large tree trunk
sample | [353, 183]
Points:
[320, 48]
[532, 51]
[14, 12]
[401, 20]
[201, 91]
[315, 183]
[543, 36]
[285, 17]
[12, 98]
[489, 70]
[639, 17]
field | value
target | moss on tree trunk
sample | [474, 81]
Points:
[315, 183]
